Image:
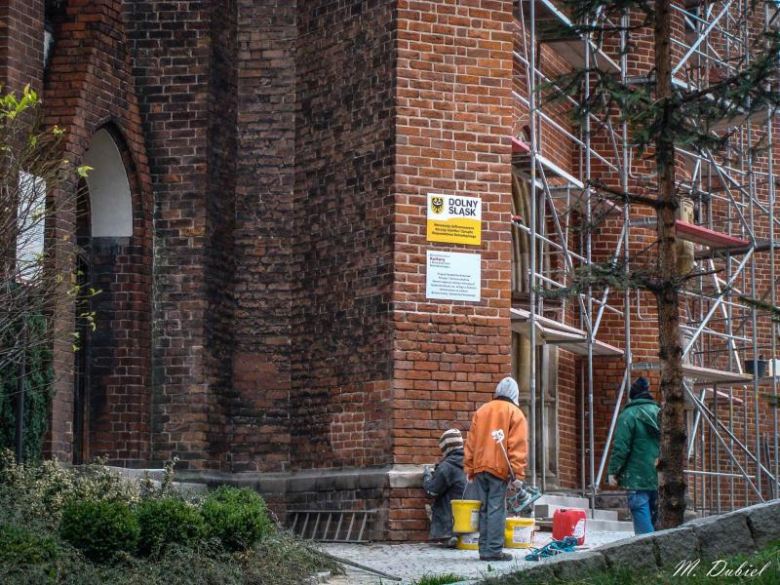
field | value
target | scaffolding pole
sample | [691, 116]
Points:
[725, 189]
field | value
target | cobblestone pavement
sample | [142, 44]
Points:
[412, 561]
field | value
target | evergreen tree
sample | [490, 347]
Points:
[662, 117]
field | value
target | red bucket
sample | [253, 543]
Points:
[570, 523]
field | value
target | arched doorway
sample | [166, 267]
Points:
[104, 230]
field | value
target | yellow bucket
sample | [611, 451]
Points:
[468, 541]
[466, 515]
[519, 532]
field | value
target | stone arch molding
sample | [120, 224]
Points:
[110, 198]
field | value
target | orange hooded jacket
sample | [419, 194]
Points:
[483, 453]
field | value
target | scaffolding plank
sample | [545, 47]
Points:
[519, 314]
[761, 246]
[520, 147]
[521, 158]
[545, 10]
[600, 349]
[707, 237]
[709, 395]
[573, 52]
[703, 376]
[556, 29]
[552, 332]
[711, 375]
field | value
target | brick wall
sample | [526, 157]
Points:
[453, 126]
[264, 236]
[291, 149]
[342, 335]
[88, 86]
[177, 61]
[21, 43]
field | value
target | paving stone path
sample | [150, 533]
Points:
[412, 561]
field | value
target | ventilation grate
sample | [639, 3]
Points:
[332, 525]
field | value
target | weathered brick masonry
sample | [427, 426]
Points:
[453, 122]
[266, 321]
[88, 87]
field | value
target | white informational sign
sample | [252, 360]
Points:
[454, 219]
[453, 276]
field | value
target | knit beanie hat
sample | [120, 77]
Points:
[507, 388]
[640, 389]
[450, 440]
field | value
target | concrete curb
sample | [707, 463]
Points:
[742, 531]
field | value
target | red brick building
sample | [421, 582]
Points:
[256, 223]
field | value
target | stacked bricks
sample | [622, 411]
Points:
[88, 87]
[340, 406]
[454, 123]
[178, 64]
[21, 44]
[264, 235]
[291, 150]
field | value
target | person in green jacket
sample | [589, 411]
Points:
[635, 451]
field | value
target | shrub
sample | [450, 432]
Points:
[100, 529]
[20, 547]
[237, 517]
[95, 482]
[168, 521]
[41, 491]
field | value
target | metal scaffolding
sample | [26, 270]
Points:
[725, 222]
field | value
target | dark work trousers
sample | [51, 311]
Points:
[492, 514]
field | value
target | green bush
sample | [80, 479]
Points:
[237, 517]
[40, 491]
[20, 547]
[100, 529]
[168, 521]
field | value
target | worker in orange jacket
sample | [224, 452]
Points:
[486, 463]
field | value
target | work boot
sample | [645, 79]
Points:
[499, 557]
[452, 542]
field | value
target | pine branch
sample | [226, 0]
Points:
[620, 196]
[600, 275]
[760, 305]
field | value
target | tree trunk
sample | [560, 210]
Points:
[671, 462]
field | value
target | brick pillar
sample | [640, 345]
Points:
[21, 44]
[342, 335]
[178, 60]
[453, 129]
[264, 236]
[87, 59]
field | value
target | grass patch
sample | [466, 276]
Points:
[438, 579]
[766, 562]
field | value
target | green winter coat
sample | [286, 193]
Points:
[636, 446]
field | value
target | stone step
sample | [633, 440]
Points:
[593, 525]
[563, 501]
[610, 526]
[156, 476]
[548, 511]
